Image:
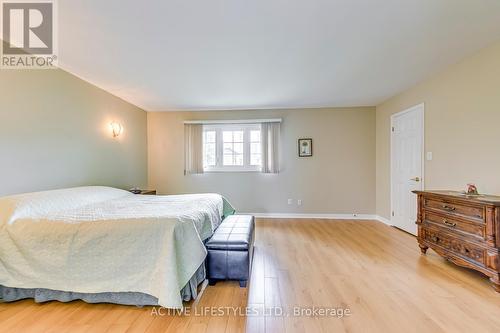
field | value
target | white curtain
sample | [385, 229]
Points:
[193, 149]
[270, 140]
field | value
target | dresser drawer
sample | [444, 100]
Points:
[476, 213]
[456, 245]
[456, 225]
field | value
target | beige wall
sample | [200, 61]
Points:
[338, 179]
[462, 127]
[54, 132]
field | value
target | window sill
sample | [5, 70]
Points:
[232, 171]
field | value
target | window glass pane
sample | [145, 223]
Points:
[238, 148]
[238, 136]
[227, 136]
[255, 148]
[228, 148]
[228, 160]
[238, 159]
[255, 159]
[209, 136]
[209, 156]
[254, 136]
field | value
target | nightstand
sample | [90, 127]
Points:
[144, 192]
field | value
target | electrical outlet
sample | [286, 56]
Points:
[290, 201]
[299, 202]
[429, 156]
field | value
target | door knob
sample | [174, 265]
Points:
[416, 179]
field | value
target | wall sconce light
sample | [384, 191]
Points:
[116, 128]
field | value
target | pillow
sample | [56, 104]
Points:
[38, 204]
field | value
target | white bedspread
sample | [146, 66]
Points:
[99, 239]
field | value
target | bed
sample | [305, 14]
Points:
[102, 244]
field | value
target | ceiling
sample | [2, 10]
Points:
[164, 55]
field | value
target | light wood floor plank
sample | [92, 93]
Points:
[375, 271]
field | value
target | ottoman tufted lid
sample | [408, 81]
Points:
[234, 233]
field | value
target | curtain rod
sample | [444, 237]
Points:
[239, 121]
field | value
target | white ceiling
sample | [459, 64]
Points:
[243, 54]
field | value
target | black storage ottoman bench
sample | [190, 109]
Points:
[230, 250]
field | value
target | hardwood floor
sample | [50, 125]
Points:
[373, 270]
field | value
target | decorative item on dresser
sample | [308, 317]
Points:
[464, 229]
[143, 192]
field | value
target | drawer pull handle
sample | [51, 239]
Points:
[448, 223]
[435, 239]
[449, 208]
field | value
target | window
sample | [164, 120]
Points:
[232, 147]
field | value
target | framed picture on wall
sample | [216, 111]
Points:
[305, 147]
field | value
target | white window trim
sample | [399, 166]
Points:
[239, 121]
[218, 128]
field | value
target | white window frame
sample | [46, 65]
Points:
[219, 128]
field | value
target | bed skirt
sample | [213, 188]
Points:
[189, 292]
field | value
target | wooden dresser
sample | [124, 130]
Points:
[463, 229]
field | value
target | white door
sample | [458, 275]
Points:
[406, 166]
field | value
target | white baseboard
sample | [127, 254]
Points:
[315, 216]
[383, 220]
[361, 217]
